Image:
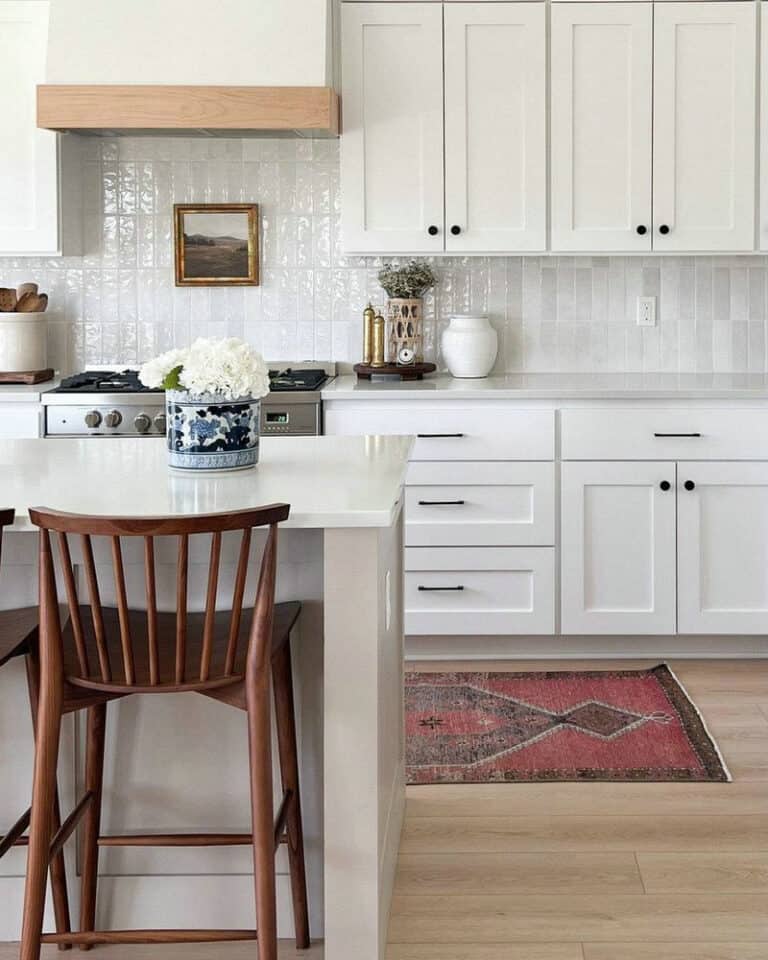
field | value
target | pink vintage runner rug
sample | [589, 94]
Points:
[633, 725]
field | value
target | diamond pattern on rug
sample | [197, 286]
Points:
[611, 725]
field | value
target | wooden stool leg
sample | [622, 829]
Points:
[289, 770]
[94, 780]
[262, 811]
[58, 868]
[41, 825]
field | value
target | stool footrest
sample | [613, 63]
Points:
[177, 840]
[93, 937]
[15, 834]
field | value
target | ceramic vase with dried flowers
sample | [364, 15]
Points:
[405, 287]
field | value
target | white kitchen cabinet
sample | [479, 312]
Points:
[444, 131]
[763, 128]
[495, 127]
[19, 420]
[486, 590]
[653, 126]
[704, 126]
[35, 207]
[618, 548]
[722, 551]
[601, 94]
[392, 147]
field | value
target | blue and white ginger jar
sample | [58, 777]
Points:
[209, 432]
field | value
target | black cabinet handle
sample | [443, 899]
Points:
[664, 229]
[441, 503]
[432, 231]
[436, 589]
[642, 230]
[455, 230]
[677, 434]
[428, 436]
[665, 485]
[689, 485]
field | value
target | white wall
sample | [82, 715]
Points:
[259, 42]
[118, 303]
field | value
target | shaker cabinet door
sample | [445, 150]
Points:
[618, 548]
[722, 569]
[601, 91]
[392, 143]
[704, 126]
[29, 215]
[495, 127]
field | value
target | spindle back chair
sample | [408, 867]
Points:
[18, 638]
[109, 651]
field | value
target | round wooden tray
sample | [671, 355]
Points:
[413, 371]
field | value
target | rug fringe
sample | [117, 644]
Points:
[713, 741]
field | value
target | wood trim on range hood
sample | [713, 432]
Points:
[150, 108]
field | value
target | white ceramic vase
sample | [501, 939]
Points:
[469, 346]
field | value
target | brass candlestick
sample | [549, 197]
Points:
[369, 315]
[378, 358]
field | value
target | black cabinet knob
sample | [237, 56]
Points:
[689, 485]
[432, 231]
[455, 230]
[665, 485]
[664, 229]
[642, 230]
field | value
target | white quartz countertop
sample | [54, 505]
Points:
[559, 386]
[25, 392]
[328, 481]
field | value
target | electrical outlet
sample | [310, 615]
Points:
[646, 311]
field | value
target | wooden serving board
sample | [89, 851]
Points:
[414, 371]
[27, 376]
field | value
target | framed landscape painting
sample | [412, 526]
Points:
[217, 244]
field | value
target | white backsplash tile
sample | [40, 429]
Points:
[118, 302]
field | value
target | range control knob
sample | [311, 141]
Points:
[92, 418]
[160, 422]
[142, 422]
[113, 419]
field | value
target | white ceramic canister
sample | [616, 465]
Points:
[469, 346]
[23, 342]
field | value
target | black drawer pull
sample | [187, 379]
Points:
[677, 434]
[441, 503]
[436, 589]
[428, 436]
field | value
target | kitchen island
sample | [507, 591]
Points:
[340, 554]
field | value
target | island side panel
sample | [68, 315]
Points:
[182, 762]
[364, 757]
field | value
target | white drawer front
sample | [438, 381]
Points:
[453, 433]
[664, 434]
[480, 504]
[483, 590]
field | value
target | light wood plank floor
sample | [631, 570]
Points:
[592, 871]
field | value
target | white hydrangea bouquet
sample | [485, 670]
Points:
[213, 389]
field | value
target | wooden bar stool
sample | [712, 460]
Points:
[18, 638]
[105, 653]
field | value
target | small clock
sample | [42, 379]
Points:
[405, 357]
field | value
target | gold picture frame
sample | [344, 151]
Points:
[216, 244]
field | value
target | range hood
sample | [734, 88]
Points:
[229, 68]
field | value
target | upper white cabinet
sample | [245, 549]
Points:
[698, 61]
[430, 165]
[29, 204]
[704, 126]
[495, 127]
[392, 147]
[602, 82]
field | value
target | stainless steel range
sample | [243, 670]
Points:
[113, 403]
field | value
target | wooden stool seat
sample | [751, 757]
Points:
[285, 617]
[18, 629]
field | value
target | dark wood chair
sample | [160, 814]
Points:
[18, 638]
[105, 653]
